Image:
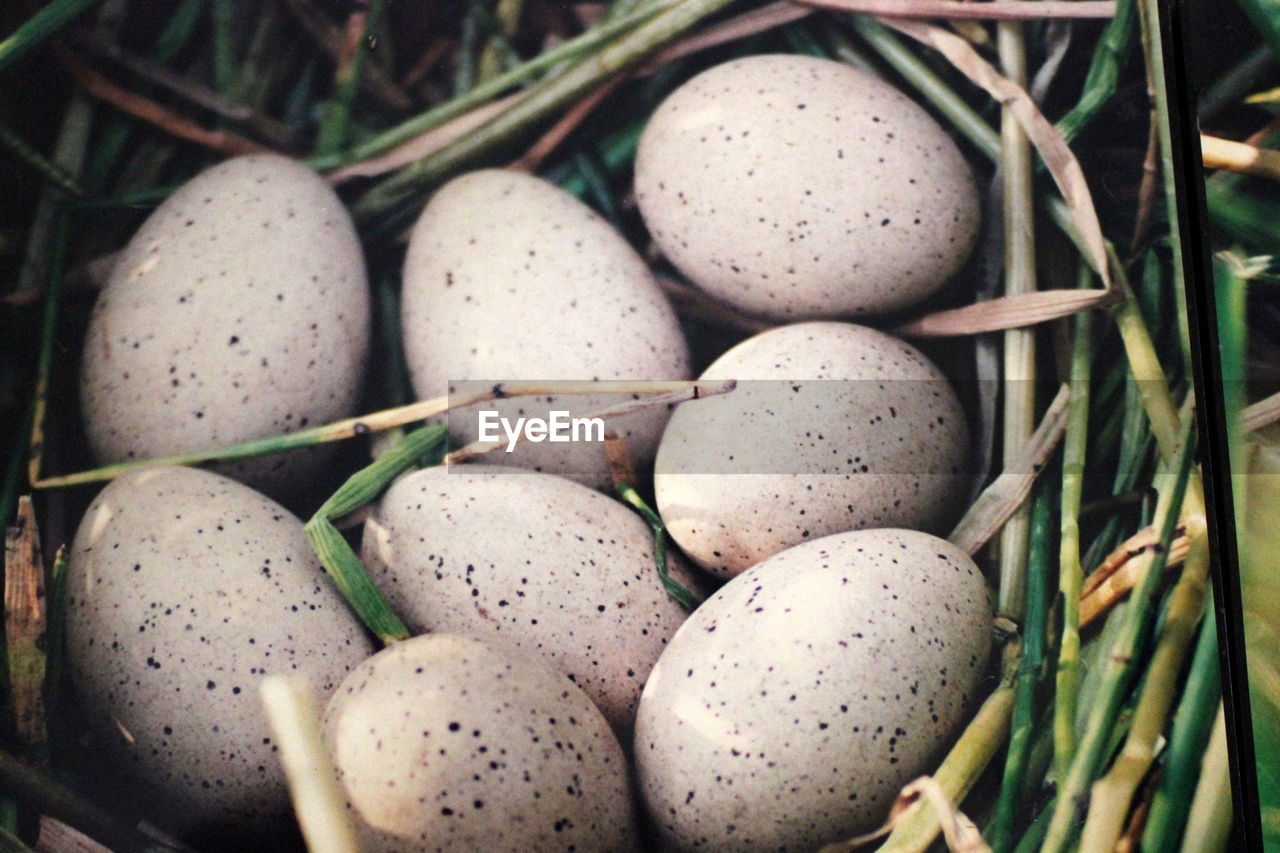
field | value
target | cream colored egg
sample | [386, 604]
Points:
[792, 707]
[532, 560]
[184, 589]
[832, 427]
[238, 310]
[447, 743]
[509, 277]
[798, 188]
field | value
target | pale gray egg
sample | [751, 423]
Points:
[793, 706]
[184, 589]
[448, 743]
[509, 277]
[797, 188]
[239, 310]
[832, 427]
[532, 560]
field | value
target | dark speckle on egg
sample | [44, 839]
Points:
[210, 330]
[833, 427]
[799, 188]
[509, 277]
[534, 560]
[448, 743]
[840, 668]
[172, 620]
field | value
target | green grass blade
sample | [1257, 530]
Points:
[631, 497]
[38, 28]
[423, 446]
[1109, 57]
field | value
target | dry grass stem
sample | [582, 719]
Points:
[279, 135]
[1240, 157]
[1261, 414]
[1124, 577]
[691, 391]
[371, 423]
[1000, 500]
[958, 831]
[1147, 537]
[429, 142]
[318, 800]
[441, 136]
[1015, 311]
[992, 10]
[56, 837]
[102, 89]
[694, 303]
[559, 131]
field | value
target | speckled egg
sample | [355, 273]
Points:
[238, 310]
[791, 707]
[533, 560]
[448, 743]
[184, 589]
[797, 188]
[509, 277]
[832, 427]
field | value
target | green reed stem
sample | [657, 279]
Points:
[1031, 663]
[1119, 667]
[1192, 725]
[1070, 572]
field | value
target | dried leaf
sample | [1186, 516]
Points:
[999, 501]
[1006, 312]
[1049, 142]
[992, 10]
[1105, 590]
[25, 624]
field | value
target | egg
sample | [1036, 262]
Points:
[449, 743]
[239, 310]
[796, 188]
[791, 707]
[536, 561]
[184, 590]
[509, 277]
[833, 427]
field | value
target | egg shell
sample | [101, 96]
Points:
[832, 427]
[448, 743]
[799, 188]
[239, 310]
[796, 702]
[532, 560]
[509, 277]
[184, 589]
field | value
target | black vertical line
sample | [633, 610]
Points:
[1193, 224]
